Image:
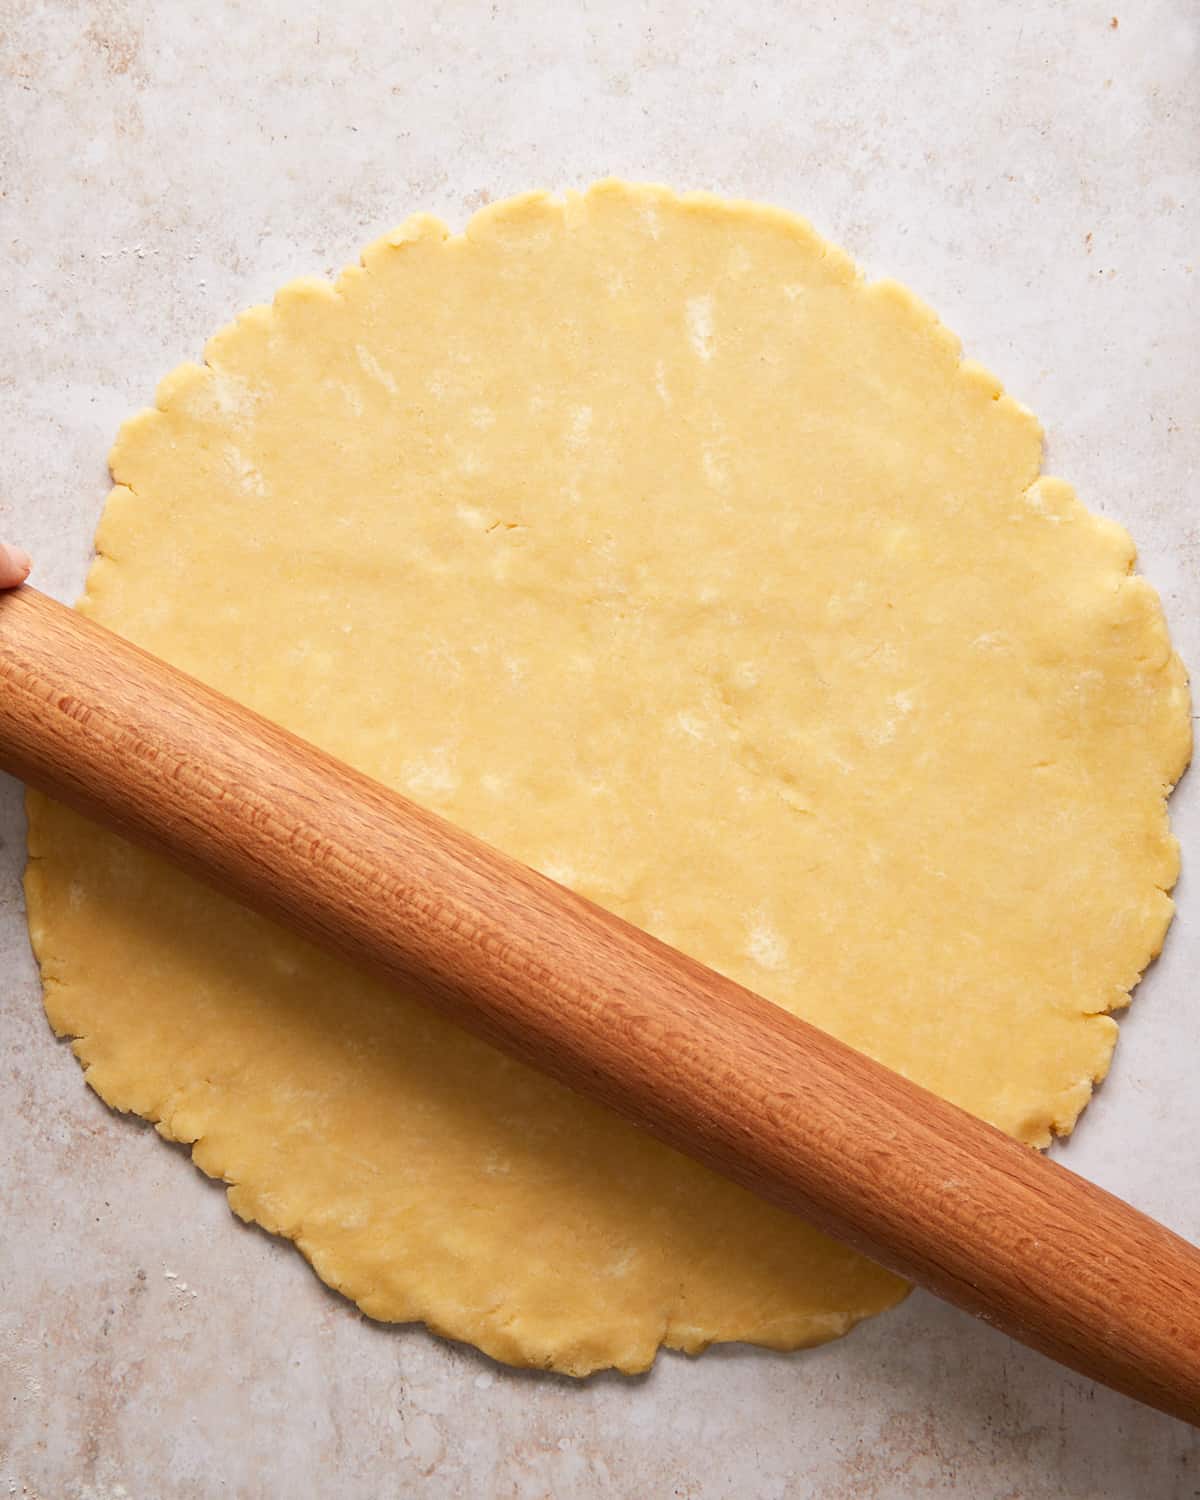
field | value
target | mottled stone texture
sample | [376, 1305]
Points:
[1030, 170]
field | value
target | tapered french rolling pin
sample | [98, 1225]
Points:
[711, 1069]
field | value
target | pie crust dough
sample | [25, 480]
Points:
[642, 536]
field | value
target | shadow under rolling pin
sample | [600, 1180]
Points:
[705, 1065]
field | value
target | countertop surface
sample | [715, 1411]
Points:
[1031, 171]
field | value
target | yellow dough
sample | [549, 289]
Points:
[643, 537]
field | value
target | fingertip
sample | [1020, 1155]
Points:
[15, 564]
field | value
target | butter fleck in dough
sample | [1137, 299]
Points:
[643, 537]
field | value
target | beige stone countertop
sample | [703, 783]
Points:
[1031, 170]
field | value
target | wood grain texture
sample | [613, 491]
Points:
[708, 1067]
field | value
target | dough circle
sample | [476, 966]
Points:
[643, 537]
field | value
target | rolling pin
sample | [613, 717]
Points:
[703, 1064]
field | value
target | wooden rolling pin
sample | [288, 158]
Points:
[703, 1064]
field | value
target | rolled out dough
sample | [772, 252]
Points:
[643, 537]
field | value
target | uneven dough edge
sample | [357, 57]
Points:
[102, 577]
[509, 1343]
